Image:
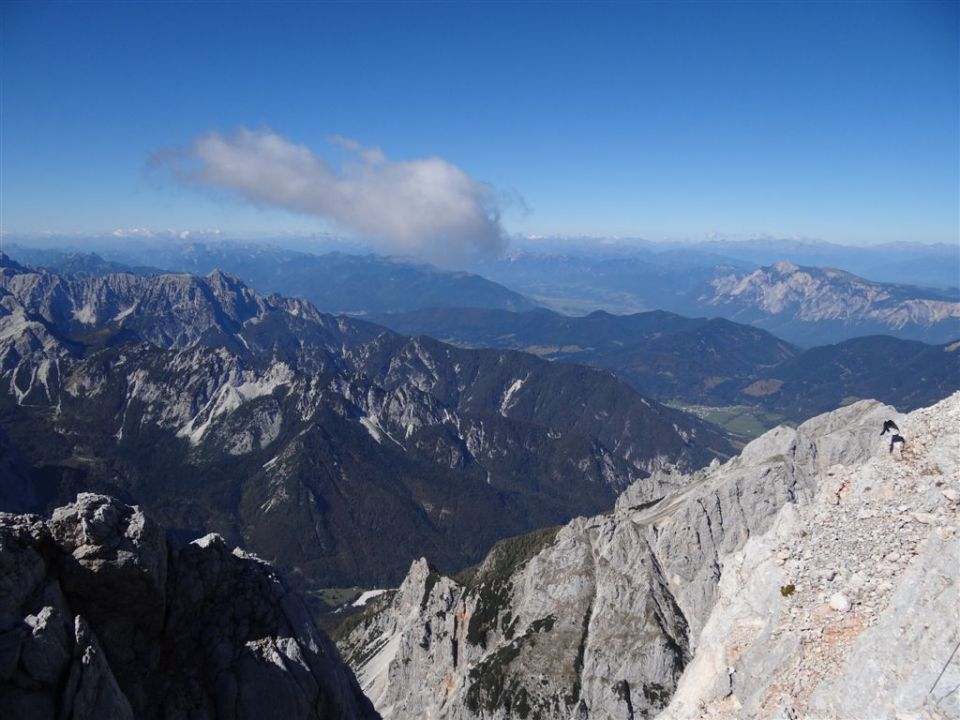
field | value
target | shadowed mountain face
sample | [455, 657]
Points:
[330, 445]
[709, 362]
[903, 373]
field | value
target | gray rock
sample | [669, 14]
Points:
[839, 602]
[890, 669]
[599, 619]
[91, 690]
[100, 617]
[680, 603]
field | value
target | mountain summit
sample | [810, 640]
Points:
[821, 305]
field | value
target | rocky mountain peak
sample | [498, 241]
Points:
[101, 618]
[279, 415]
[779, 296]
[812, 575]
[785, 268]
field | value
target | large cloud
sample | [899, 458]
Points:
[427, 207]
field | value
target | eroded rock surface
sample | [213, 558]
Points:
[101, 618]
[715, 602]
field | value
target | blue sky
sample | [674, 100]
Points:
[834, 121]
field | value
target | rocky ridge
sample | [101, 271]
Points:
[787, 298]
[101, 618]
[815, 575]
[308, 437]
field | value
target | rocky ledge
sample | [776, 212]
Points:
[813, 576]
[102, 617]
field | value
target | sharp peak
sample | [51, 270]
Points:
[218, 274]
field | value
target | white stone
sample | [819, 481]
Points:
[839, 602]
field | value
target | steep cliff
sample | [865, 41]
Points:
[815, 574]
[101, 618]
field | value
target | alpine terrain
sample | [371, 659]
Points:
[330, 445]
[102, 617]
[814, 575]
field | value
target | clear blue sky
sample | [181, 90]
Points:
[830, 120]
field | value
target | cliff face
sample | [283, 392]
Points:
[813, 575]
[100, 618]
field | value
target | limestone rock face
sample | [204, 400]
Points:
[713, 602]
[848, 607]
[100, 618]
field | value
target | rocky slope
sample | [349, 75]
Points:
[811, 305]
[101, 618]
[814, 575]
[326, 444]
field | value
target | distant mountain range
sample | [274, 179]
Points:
[334, 282]
[331, 445]
[709, 362]
[924, 265]
[804, 305]
[815, 305]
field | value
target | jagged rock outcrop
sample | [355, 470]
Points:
[718, 601]
[101, 618]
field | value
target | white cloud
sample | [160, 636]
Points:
[147, 233]
[426, 207]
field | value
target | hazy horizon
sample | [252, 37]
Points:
[445, 131]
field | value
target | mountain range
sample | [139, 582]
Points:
[334, 282]
[805, 305]
[713, 363]
[923, 265]
[328, 444]
[817, 305]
